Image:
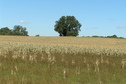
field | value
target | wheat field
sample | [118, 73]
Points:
[67, 44]
[59, 60]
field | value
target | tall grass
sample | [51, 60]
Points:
[59, 60]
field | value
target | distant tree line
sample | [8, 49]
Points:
[113, 36]
[17, 30]
[65, 26]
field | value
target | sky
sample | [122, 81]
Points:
[98, 17]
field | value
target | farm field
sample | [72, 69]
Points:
[62, 60]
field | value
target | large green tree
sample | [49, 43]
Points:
[67, 26]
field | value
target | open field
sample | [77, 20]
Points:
[62, 60]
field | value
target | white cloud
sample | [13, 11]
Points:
[121, 26]
[24, 22]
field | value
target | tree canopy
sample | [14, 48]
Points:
[18, 30]
[5, 31]
[67, 26]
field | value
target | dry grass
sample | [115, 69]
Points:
[67, 44]
[62, 60]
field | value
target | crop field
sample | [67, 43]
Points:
[62, 60]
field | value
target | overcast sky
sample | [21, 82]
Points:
[98, 17]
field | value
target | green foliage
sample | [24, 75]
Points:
[5, 31]
[37, 35]
[113, 36]
[67, 26]
[121, 37]
[18, 30]
[95, 36]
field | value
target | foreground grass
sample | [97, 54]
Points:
[63, 69]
